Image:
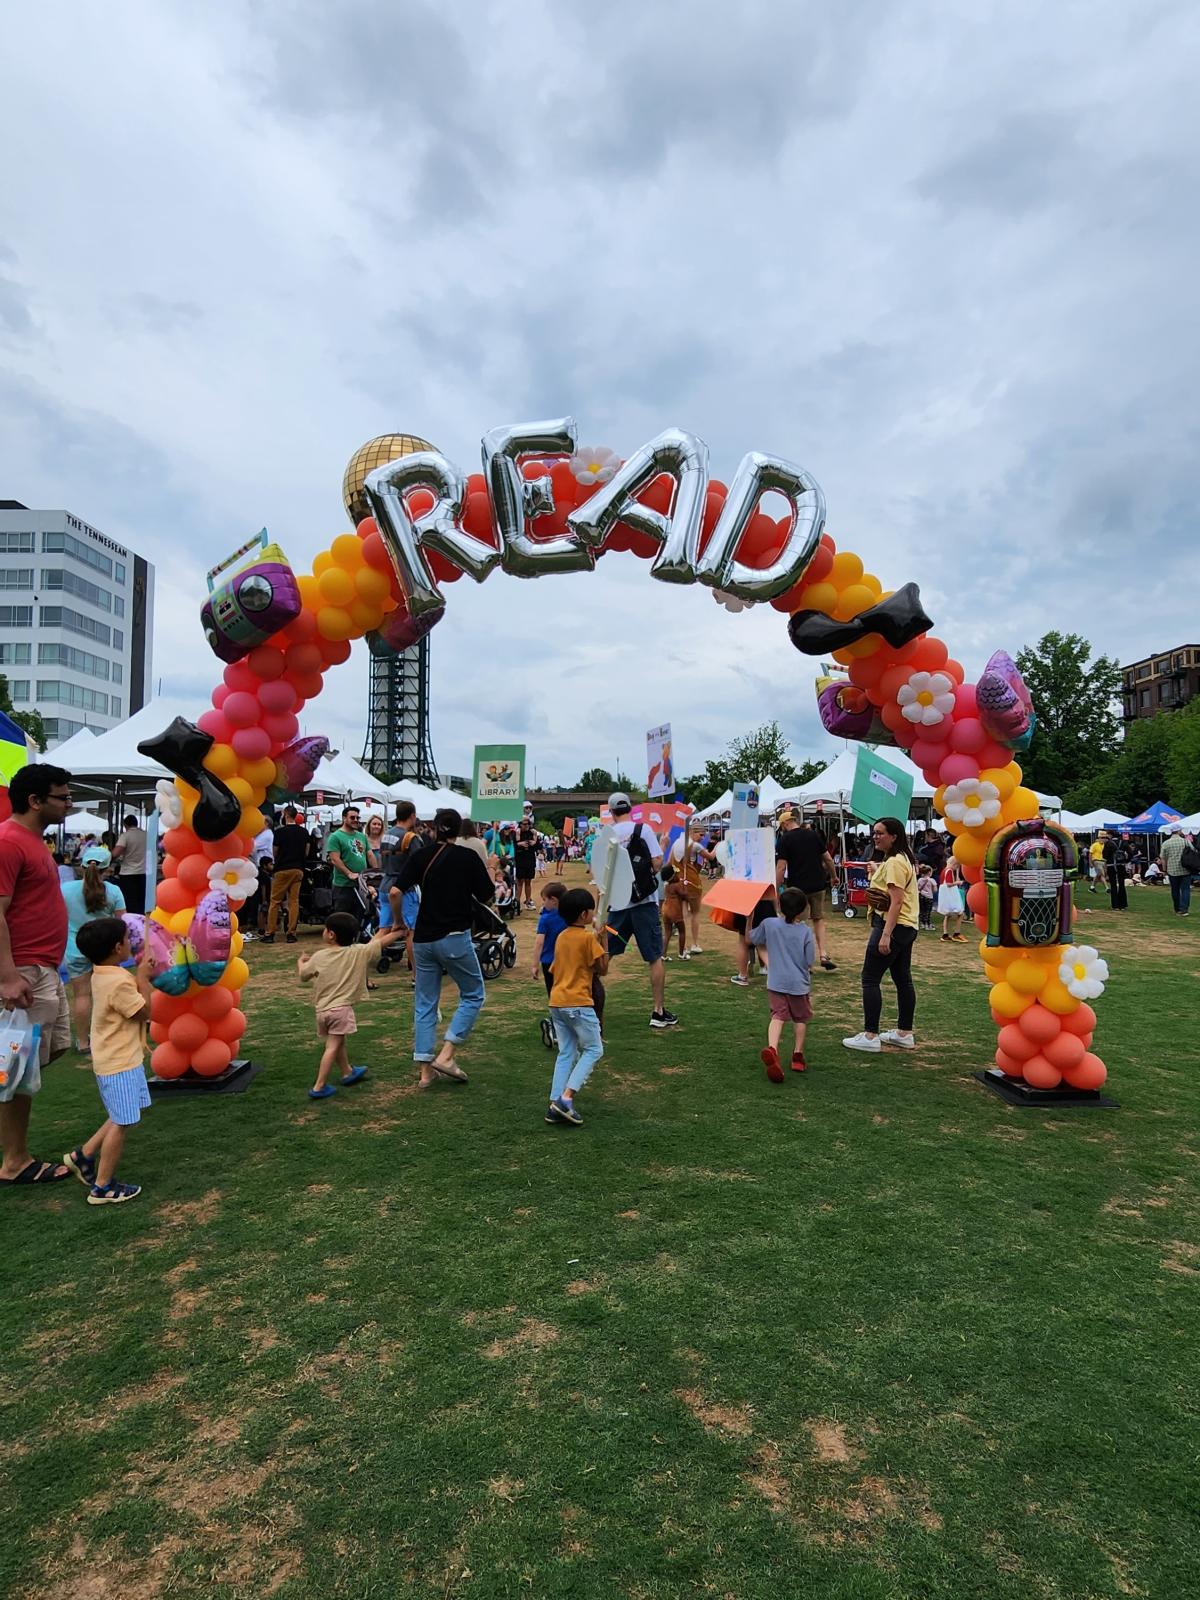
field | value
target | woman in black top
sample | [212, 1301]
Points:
[451, 880]
[525, 864]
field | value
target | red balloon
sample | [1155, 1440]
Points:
[477, 516]
[180, 842]
[252, 744]
[220, 694]
[213, 1004]
[335, 651]
[1089, 1073]
[278, 695]
[172, 896]
[302, 660]
[302, 629]
[819, 568]
[965, 702]
[192, 871]
[444, 570]
[994, 755]
[1039, 1074]
[1038, 1024]
[222, 849]
[211, 1058]
[309, 687]
[214, 723]
[977, 898]
[168, 1061]
[567, 491]
[280, 728]
[1065, 1051]
[266, 662]
[238, 675]
[928, 753]
[375, 552]
[956, 767]
[1014, 1043]
[972, 874]
[967, 735]
[930, 656]
[242, 710]
[1081, 1022]
[418, 501]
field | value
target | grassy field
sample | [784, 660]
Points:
[867, 1335]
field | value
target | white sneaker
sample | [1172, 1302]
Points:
[904, 1040]
[695, 951]
[862, 1041]
[742, 983]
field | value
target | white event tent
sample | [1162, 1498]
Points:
[1088, 821]
[342, 775]
[835, 785]
[425, 799]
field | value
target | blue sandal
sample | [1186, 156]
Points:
[84, 1167]
[322, 1094]
[355, 1075]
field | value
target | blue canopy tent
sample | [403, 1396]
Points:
[1153, 820]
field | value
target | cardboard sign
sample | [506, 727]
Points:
[660, 782]
[734, 894]
[751, 856]
[743, 812]
[880, 789]
[498, 791]
[611, 866]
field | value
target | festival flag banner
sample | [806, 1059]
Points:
[499, 782]
[743, 813]
[660, 783]
[880, 789]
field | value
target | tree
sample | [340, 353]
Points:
[597, 778]
[31, 721]
[1078, 727]
[1159, 760]
[755, 755]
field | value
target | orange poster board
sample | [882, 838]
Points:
[735, 894]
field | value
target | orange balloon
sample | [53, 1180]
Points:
[335, 623]
[310, 595]
[169, 1062]
[977, 899]
[1014, 1043]
[1008, 1064]
[187, 1032]
[211, 1058]
[173, 896]
[337, 587]
[1081, 1021]
[970, 850]
[1039, 1025]
[322, 563]
[1064, 1052]
[193, 872]
[229, 1028]
[213, 1004]
[1089, 1073]
[1039, 1074]
[347, 551]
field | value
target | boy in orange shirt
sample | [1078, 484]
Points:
[578, 956]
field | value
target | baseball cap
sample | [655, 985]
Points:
[619, 802]
[787, 815]
[95, 853]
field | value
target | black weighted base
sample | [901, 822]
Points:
[1016, 1092]
[236, 1079]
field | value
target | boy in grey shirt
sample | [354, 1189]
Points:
[791, 952]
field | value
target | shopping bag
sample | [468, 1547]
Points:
[19, 1039]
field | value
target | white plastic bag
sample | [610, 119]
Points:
[19, 1038]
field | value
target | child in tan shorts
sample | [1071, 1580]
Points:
[338, 973]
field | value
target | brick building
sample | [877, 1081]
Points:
[1161, 682]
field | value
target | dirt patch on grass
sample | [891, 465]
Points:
[175, 1276]
[830, 1442]
[506, 1489]
[533, 1334]
[628, 1216]
[1181, 1257]
[716, 1418]
[190, 1213]
[185, 1303]
[149, 1393]
[582, 1286]
[674, 1072]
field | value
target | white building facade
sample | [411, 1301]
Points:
[76, 621]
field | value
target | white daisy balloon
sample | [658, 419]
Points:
[731, 601]
[927, 698]
[167, 800]
[971, 802]
[237, 876]
[593, 466]
[1083, 971]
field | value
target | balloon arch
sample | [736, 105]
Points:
[544, 504]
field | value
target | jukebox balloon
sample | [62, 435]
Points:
[1029, 868]
[247, 608]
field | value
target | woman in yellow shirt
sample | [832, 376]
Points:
[894, 921]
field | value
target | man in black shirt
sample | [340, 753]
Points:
[803, 862]
[289, 853]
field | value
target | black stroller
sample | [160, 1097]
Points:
[495, 942]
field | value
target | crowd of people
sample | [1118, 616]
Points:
[421, 888]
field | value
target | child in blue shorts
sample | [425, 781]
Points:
[120, 1012]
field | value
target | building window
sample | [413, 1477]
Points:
[72, 694]
[1163, 664]
[1143, 670]
[118, 639]
[116, 706]
[66, 655]
[118, 605]
[16, 577]
[120, 573]
[67, 544]
[74, 621]
[59, 728]
[14, 655]
[118, 672]
[64, 578]
[16, 616]
[16, 543]
[18, 690]
[1145, 697]
[1165, 694]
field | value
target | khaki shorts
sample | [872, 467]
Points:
[52, 1011]
[336, 1022]
[818, 905]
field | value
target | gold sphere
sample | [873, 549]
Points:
[375, 453]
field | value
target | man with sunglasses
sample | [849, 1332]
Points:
[349, 854]
[33, 937]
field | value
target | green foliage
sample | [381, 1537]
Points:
[31, 721]
[763, 752]
[1159, 760]
[597, 778]
[1076, 699]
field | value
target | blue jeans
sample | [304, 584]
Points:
[1181, 892]
[579, 1047]
[452, 957]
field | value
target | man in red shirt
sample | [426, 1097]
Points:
[33, 937]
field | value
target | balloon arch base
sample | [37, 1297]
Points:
[1016, 1092]
[236, 1078]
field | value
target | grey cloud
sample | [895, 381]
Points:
[1028, 160]
[158, 313]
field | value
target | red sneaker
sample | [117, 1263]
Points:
[771, 1062]
[798, 1061]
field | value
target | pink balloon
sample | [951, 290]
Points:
[956, 767]
[252, 743]
[219, 695]
[932, 775]
[929, 752]
[277, 695]
[995, 755]
[967, 735]
[238, 675]
[214, 722]
[242, 710]
[281, 727]
[964, 701]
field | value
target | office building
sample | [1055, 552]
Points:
[76, 621]
[1161, 683]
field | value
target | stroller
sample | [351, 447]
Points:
[495, 942]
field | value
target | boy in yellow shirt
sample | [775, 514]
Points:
[120, 1012]
[338, 973]
[578, 956]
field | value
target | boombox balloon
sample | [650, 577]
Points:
[258, 600]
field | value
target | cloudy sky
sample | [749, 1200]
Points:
[945, 258]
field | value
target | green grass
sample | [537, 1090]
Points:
[869, 1334]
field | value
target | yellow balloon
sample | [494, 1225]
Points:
[855, 597]
[237, 944]
[236, 974]
[251, 822]
[1022, 805]
[864, 647]
[819, 597]
[163, 918]
[847, 569]
[1006, 1001]
[969, 850]
[365, 616]
[240, 789]
[323, 563]
[222, 761]
[1005, 779]
[347, 551]
[336, 586]
[994, 974]
[372, 585]
[999, 955]
[310, 594]
[1026, 976]
[259, 774]
[181, 921]
[872, 583]
[334, 622]
[1056, 997]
